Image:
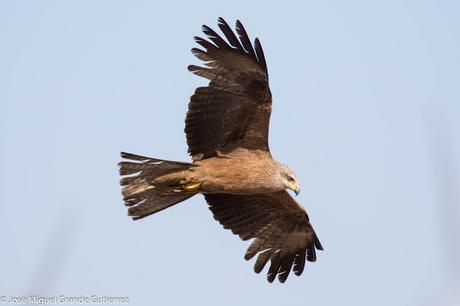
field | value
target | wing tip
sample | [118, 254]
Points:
[317, 243]
[193, 68]
[242, 44]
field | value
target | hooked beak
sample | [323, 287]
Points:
[294, 187]
[297, 190]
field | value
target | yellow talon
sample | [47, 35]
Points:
[192, 186]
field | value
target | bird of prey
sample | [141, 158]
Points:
[226, 127]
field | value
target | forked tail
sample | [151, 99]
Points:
[140, 193]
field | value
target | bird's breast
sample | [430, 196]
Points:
[240, 174]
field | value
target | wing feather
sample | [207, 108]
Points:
[285, 267]
[245, 39]
[274, 265]
[231, 37]
[299, 264]
[216, 39]
[280, 226]
[260, 54]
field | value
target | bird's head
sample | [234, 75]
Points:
[289, 179]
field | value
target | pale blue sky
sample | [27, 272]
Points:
[366, 108]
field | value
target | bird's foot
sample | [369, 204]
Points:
[191, 187]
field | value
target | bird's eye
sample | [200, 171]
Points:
[291, 179]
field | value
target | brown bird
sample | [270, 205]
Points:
[227, 135]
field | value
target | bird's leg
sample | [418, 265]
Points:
[178, 182]
[188, 186]
[191, 186]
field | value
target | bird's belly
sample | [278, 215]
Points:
[235, 177]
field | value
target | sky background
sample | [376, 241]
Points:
[366, 112]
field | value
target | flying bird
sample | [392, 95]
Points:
[226, 127]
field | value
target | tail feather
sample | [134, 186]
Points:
[140, 193]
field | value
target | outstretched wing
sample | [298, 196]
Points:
[234, 109]
[280, 226]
